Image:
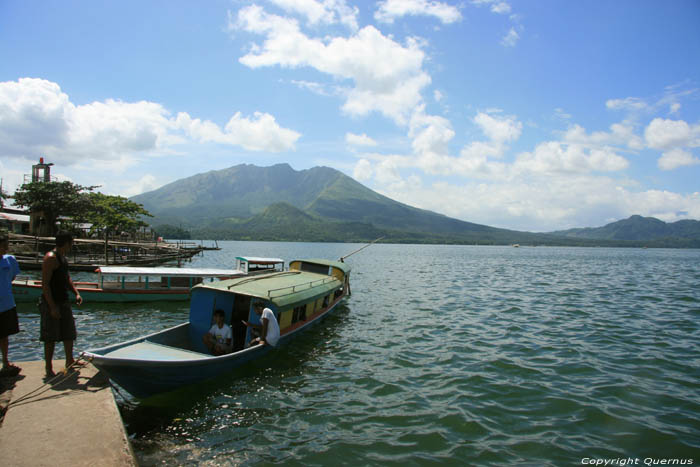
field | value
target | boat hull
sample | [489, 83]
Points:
[24, 293]
[142, 377]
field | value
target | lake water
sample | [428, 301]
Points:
[453, 355]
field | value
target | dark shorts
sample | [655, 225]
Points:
[9, 323]
[57, 330]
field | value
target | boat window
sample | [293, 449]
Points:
[337, 293]
[326, 300]
[317, 268]
[299, 313]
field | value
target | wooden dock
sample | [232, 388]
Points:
[88, 254]
[75, 422]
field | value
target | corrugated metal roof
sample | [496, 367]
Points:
[14, 217]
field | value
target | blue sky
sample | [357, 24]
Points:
[529, 115]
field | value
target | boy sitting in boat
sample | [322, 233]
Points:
[269, 329]
[219, 339]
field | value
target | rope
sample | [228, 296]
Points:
[55, 380]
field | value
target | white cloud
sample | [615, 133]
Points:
[363, 170]
[322, 12]
[316, 88]
[676, 158]
[38, 119]
[556, 157]
[389, 10]
[437, 95]
[543, 203]
[629, 103]
[501, 130]
[387, 76]
[359, 140]
[667, 134]
[510, 39]
[674, 108]
[502, 8]
[146, 183]
[261, 133]
[620, 134]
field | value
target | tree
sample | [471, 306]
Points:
[113, 213]
[49, 200]
[3, 197]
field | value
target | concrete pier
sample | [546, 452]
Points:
[75, 422]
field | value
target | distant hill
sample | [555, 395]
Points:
[641, 229]
[246, 202]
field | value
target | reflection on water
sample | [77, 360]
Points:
[443, 355]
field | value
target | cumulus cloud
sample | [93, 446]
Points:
[620, 134]
[676, 158]
[667, 134]
[544, 203]
[359, 140]
[557, 157]
[322, 12]
[37, 118]
[500, 130]
[674, 138]
[389, 10]
[260, 133]
[363, 170]
[388, 77]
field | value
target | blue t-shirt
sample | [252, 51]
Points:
[8, 271]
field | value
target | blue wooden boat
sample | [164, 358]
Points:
[167, 360]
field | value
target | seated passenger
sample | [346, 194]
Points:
[270, 330]
[219, 340]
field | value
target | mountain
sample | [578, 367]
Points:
[246, 196]
[641, 229]
[247, 202]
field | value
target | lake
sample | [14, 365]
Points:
[450, 355]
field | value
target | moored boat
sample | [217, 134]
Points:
[167, 360]
[139, 284]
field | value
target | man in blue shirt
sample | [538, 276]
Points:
[9, 323]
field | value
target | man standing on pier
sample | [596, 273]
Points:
[57, 322]
[9, 323]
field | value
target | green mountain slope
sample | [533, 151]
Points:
[641, 229]
[323, 204]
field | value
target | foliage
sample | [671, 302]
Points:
[172, 232]
[54, 199]
[113, 213]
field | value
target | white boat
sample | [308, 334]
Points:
[139, 284]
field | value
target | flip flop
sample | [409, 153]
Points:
[10, 371]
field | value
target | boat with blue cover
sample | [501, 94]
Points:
[167, 360]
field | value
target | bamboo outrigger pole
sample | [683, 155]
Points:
[342, 258]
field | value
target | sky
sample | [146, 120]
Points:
[527, 115]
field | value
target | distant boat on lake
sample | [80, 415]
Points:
[167, 360]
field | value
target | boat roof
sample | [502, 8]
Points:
[258, 260]
[168, 272]
[326, 262]
[281, 288]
